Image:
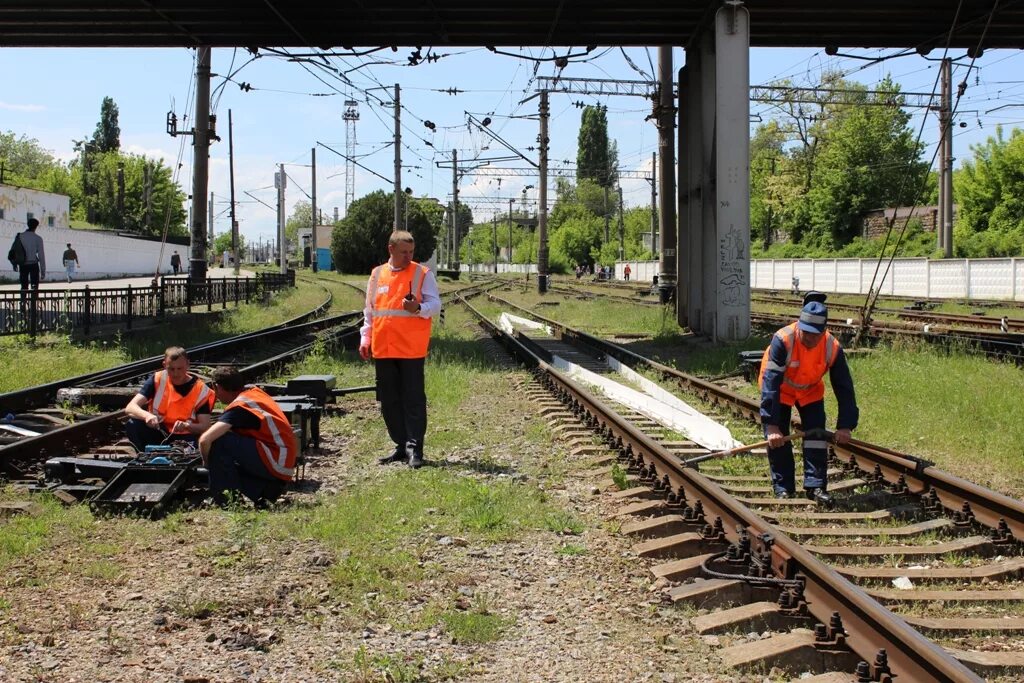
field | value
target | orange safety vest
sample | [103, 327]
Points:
[395, 332]
[804, 368]
[275, 440]
[170, 406]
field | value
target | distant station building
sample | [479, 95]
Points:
[18, 204]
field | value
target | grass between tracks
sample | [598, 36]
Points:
[385, 532]
[958, 409]
[28, 362]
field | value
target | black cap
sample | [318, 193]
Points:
[814, 296]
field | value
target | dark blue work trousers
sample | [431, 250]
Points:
[780, 460]
[235, 465]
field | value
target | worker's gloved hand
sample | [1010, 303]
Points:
[775, 436]
[153, 422]
[410, 304]
[842, 436]
[182, 427]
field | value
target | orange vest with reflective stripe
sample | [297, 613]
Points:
[395, 332]
[801, 382]
[171, 406]
[275, 440]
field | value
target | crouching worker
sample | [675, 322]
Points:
[173, 404]
[251, 448]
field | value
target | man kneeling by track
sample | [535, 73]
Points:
[251, 448]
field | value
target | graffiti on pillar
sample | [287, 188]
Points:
[732, 268]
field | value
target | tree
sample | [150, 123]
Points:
[592, 154]
[24, 161]
[301, 219]
[107, 137]
[360, 240]
[222, 243]
[989, 190]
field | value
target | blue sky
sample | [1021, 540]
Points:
[54, 96]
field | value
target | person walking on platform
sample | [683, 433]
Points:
[251, 448]
[33, 268]
[401, 300]
[70, 259]
[176, 262]
[172, 403]
[792, 369]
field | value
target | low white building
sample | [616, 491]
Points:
[101, 254]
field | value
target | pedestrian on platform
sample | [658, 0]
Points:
[176, 262]
[626, 272]
[173, 404]
[792, 369]
[251, 449]
[34, 267]
[70, 261]
[401, 300]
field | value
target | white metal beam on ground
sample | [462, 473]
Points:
[674, 414]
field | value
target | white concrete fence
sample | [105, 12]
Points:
[988, 278]
[101, 254]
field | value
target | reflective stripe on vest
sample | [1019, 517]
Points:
[170, 406]
[792, 391]
[275, 441]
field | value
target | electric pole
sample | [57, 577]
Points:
[622, 228]
[120, 193]
[542, 212]
[281, 181]
[312, 249]
[231, 175]
[147, 195]
[653, 180]
[200, 166]
[946, 174]
[495, 253]
[666, 145]
[509, 257]
[455, 209]
[209, 220]
[398, 154]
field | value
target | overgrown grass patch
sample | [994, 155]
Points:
[379, 532]
[474, 626]
[27, 534]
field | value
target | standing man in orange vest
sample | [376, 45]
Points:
[251, 448]
[171, 402]
[401, 299]
[791, 372]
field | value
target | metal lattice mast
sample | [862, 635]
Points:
[351, 115]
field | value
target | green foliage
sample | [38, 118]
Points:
[593, 161]
[619, 477]
[93, 188]
[360, 240]
[107, 136]
[816, 168]
[301, 219]
[989, 190]
[24, 160]
[222, 243]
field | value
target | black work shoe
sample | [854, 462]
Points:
[416, 460]
[397, 455]
[782, 494]
[820, 497]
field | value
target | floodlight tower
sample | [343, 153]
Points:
[350, 116]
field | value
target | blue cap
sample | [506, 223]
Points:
[813, 317]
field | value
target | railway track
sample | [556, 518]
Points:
[38, 424]
[820, 581]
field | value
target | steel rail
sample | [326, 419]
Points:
[918, 475]
[93, 430]
[869, 627]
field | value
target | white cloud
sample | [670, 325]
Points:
[22, 107]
